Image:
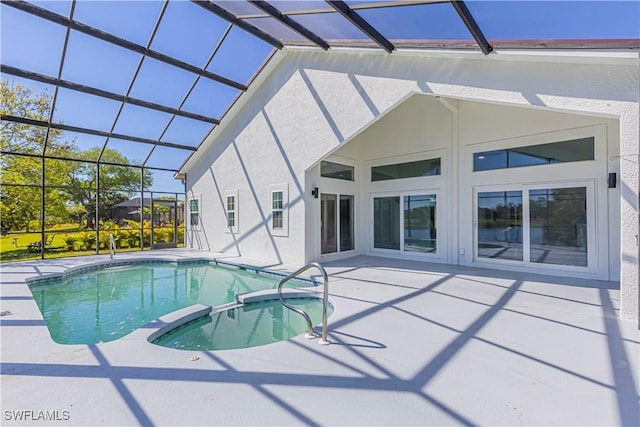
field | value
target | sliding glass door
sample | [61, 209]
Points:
[533, 225]
[405, 223]
[336, 213]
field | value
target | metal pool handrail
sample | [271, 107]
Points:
[112, 245]
[325, 301]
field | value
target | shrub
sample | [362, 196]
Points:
[88, 240]
[69, 241]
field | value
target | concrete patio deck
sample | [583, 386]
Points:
[412, 344]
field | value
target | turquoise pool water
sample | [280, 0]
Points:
[251, 325]
[106, 304]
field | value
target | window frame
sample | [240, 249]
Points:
[440, 250]
[593, 247]
[282, 231]
[233, 229]
[351, 167]
[198, 212]
[514, 149]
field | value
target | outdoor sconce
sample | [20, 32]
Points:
[315, 192]
[612, 180]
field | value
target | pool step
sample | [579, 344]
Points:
[271, 294]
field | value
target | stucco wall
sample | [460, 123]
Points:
[314, 101]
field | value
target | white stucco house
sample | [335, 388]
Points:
[518, 160]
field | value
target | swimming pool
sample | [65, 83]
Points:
[103, 304]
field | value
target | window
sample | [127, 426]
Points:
[406, 223]
[542, 154]
[194, 212]
[276, 210]
[556, 232]
[336, 170]
[500, 232]
[279, 206]
[231, 210]
[336, 229]
[406, 170]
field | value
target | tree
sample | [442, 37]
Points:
[69, 184]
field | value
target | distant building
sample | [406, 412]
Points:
[165, 211]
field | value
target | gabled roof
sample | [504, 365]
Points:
[151, 79]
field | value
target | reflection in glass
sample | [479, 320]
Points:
[386, 222]
[336, 170]
[416, 169]
[420, 223]
[558, 229]
[542, 154]
[346, 223]
[328, 208]
[500, 225]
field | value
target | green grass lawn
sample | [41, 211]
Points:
[23, 246]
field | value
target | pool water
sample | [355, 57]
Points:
[250, 325]
[107, 304]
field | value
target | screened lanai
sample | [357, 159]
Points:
[103, 101]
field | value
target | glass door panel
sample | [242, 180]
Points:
[558, 226]
[500, 225]
[346, 223]
[386, 222]
[420, 223]
[329, 226]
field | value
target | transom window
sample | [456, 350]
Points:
[406, 170]
[575, 150]
[336, 170]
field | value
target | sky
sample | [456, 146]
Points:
[191, 34]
